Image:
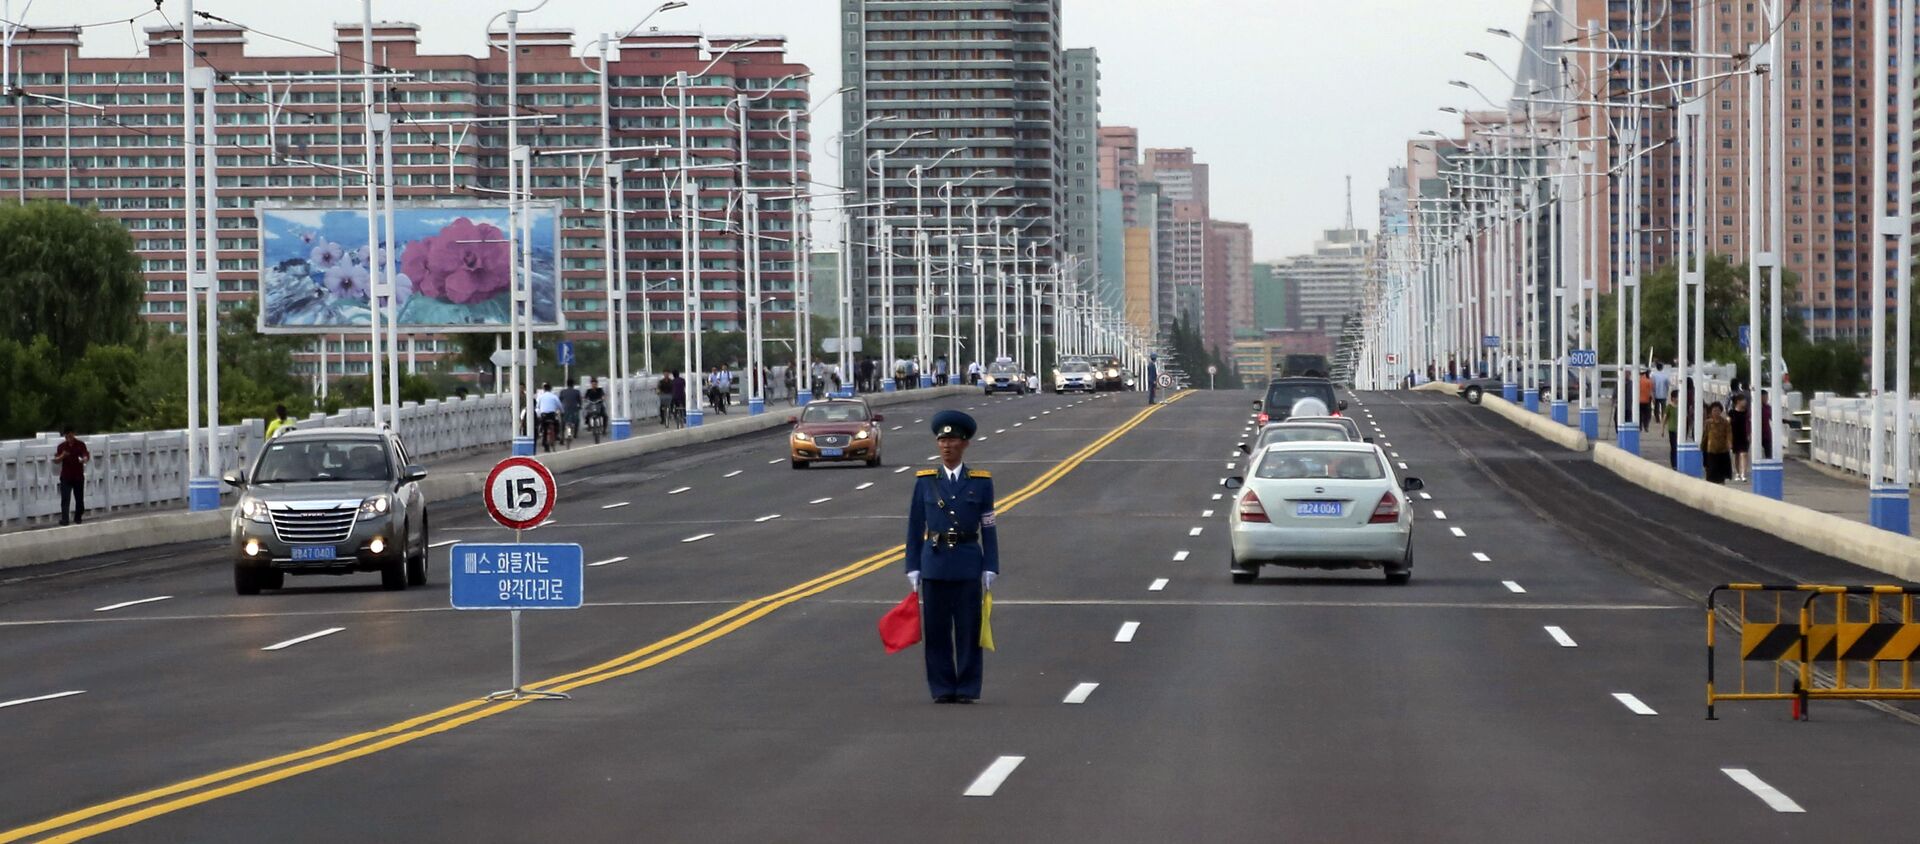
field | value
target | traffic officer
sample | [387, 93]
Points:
[1153, 375]
[953, 556]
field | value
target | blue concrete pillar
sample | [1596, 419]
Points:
[1887, 509]
[1559, 411]
[926, 380]
[523, 446]
[803, 398]
[1590, 422]
[887, 385]
[695, 416]
[622, 429]
[755, 407]
[1532, 400]
[1510, 391]
[203, 494]
[1628, 439]
[1689, 460]
[1769, 479]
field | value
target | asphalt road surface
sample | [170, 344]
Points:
[1540, 679]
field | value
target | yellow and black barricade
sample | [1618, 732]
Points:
[1832, 643]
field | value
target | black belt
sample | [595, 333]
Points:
[951, 538]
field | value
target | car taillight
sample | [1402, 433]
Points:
[1250, 509]
[1387, 511]
[1262, 418]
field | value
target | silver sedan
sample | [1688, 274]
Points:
[1325, 505]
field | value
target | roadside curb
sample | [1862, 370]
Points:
[1835, 536]
[52, 545]
[1554, 432]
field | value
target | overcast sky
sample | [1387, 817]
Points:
[1285, 98]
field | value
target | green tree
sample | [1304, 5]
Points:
[70, 275]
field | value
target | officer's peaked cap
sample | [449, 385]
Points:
[953, 423]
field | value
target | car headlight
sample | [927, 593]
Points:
[864, 433]
[801, 436]
[376, 505]
[1113, 373]
[253, 510]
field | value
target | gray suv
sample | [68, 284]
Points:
[329, 501]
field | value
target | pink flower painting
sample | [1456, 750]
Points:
[465, 263]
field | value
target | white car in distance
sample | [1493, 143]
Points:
[1321, 505]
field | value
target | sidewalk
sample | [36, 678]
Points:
[1803, 486]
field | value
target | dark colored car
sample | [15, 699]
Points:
[835, 430]
[1111, 372]
[1283, 393]
[329, 501]
[1004, 376]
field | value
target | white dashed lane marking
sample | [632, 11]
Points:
[731, 474]
[901, 469]
[1633, 704]
[1440, 514]
[1126, 631]
[864, 486]
[1158, 584]
[1513, 587]
[125, 604]
[298, 639]
[696, 537]
[678, 491]
[990, 779]
[1179, 556]
[767, 518]
[1426, 496]
[1080, 693]
[55, 696]
[607, 562]
[1194, 532]
[615, 505]
[1774, 799]
[442, 543]
[821, 500]
[1458, 532]
[1561, 636]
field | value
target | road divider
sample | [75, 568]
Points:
[132, 809]
[1544, 427]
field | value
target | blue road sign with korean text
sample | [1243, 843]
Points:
[516, 576]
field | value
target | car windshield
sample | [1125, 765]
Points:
[323, 460]
[1340, 465]
[835, 413]
[1002, 369]
[1303, 434]
[1075, 366]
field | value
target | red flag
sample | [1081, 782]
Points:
[900, 627]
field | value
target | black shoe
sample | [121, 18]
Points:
[947, 699]
[959, 699]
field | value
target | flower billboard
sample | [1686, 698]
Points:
[452, 268]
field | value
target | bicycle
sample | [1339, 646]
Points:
[596, 420]
[549, 429]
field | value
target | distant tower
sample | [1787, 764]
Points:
[1349, 225]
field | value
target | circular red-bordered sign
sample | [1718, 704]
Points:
[519, 493]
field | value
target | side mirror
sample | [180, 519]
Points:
[1235, 482]
[1343, 406]
[1243, 448]
[235, 478]
[1412, 484]
[879, 417]
[793, 420]
[414, 473]
[1367, 440]
[1257, 403]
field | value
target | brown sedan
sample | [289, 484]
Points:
[835, 430]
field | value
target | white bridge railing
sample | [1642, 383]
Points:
[148, 469]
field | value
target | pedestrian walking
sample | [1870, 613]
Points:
[1646, 399]
[1716, 446]
[1739, 415]
[1662, 389]
[71, 456]
[1672, 421]
[973, 373]
[952, 558]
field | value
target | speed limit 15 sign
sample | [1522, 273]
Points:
[519, 493]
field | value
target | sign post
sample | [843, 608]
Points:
[514, 576]
[1211, 371]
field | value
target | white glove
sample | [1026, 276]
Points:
[986, 579]
[913, 577]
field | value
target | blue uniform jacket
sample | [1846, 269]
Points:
[965, 506]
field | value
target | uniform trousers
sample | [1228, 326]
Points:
[950, 630]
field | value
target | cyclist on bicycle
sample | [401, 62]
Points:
[569, 411]
[547, 406]
[596, 406]
[668, 393]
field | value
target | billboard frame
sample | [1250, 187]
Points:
[261, 209]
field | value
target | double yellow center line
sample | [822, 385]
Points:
[181, 795]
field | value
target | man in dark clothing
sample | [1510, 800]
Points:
[570, 407]
[72, 456]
